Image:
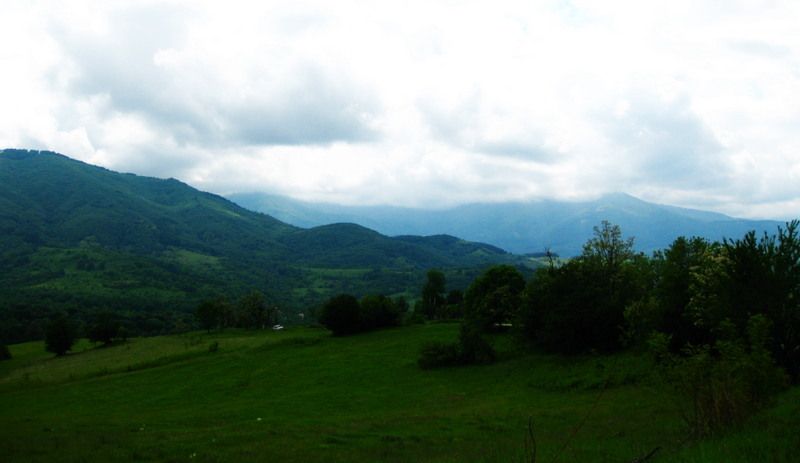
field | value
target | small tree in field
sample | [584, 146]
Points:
[211, 313]
[433, 296]
[494, 297]
[342, 315]
[104, 329]
[60, 336]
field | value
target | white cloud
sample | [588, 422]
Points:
[419, 103]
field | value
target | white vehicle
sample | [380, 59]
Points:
[277, 327]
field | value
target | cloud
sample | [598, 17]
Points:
[666, 143]
[418, 103]
[143, 61]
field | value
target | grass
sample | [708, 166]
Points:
[301, 395]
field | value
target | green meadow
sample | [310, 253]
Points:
[300, 395]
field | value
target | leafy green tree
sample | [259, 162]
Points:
[751, 276]
[433, 293]
[607, 248]
[676, 267]
[104, 328]
[342, 315]
[494, 297]
[581, 305]
[60, 335]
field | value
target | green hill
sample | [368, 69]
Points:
[303, 396]
[78, 237]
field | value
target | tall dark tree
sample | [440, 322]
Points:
[60, 335]
[433, 293]
[675, 267]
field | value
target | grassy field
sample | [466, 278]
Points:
[303, 396]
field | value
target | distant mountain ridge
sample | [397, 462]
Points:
[520, 227]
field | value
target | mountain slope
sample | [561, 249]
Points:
[74, 235]
[520, 227]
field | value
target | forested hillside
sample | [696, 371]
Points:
[77, 237]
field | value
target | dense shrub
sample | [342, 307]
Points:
[470, 349]
[473, 347]
[5, 354]
[723, 384]
[438, 354]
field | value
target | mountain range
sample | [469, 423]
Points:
[520, 227]
[75, 236]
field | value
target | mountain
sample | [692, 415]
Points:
[75, 236]
[520, 227]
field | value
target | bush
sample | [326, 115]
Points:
[473, 348]
[5, 354]
[470, 349]
[438, 354]
[725, 383]
[378, 311]
[342, 315]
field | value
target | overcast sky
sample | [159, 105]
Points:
[431, 103]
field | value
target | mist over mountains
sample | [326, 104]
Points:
[520, 227]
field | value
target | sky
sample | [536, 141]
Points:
[422, 104]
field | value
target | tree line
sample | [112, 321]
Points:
[721, 319]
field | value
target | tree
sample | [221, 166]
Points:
[210, 313]
[401, 303]
[378, 311]
[673, 291]
[581, 305]
[494, 297]
[254, 312]
[607, 248]
[751, 276]
[342, 315]
[104, 328]
[60, 335]
[433, 293]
